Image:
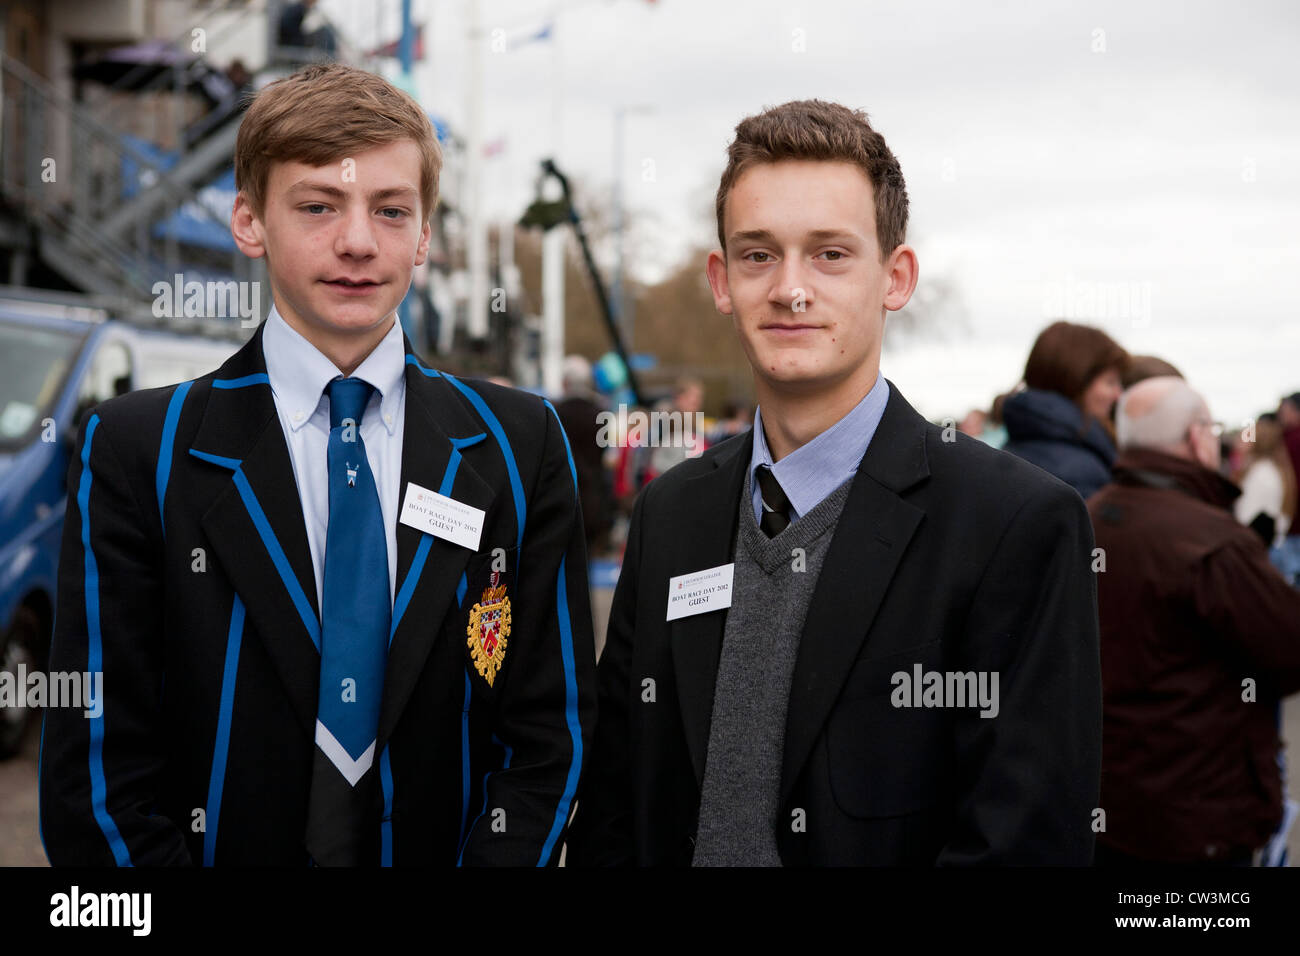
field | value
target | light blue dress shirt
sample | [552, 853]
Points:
[811, 472]
[299, 373]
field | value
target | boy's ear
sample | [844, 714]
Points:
[422, 250]
[246, 228]
[902, 270]
[716, 270]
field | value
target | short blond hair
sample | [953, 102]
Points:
[324, 113]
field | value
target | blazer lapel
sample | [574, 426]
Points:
[255, 524]
[256, 527]
[872, 534]
[439, 430]
[709, 508]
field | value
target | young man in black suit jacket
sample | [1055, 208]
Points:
[932, 696]
[215, 549]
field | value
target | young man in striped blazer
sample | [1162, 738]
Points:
[338, 598]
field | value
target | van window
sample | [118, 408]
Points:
[109, 374]
[34, 364]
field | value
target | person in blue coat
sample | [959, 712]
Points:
[1061, 420]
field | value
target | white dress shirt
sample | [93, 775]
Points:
[299, 374]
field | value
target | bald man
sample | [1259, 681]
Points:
[1200, 640]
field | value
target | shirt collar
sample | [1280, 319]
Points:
[811, 471]
[299, 372]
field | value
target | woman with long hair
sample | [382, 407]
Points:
[1061, 420]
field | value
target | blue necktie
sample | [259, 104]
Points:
[356, 614]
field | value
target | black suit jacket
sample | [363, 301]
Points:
[185, 576]
[948, 554]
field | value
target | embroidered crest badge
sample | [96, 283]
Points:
[489, 626]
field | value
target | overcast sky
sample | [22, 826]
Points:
[1135, 166]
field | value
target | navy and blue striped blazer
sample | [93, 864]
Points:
[186, 579]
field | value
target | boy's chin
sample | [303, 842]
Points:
[354, 319]
[782, 369]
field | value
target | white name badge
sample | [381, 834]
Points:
[700, 591]
[442, 517]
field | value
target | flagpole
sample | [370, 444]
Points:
[553, 242]
[476, 250]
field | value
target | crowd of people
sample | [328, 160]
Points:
[613, 465]
[1063, 419]
[1198, 560]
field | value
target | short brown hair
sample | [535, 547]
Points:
[815, 129]
[1067, 357]
[324, 113]
[1146, 366]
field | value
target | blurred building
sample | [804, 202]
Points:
[117, 137]
[117, 134]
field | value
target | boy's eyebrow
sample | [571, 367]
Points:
[753, 235]
[825, 235]
[307, 185]
[816, 235]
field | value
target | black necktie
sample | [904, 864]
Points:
[776, 506]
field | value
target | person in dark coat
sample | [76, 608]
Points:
[1061, 420]
[579, 410]
[1200, 641]
[784, 595]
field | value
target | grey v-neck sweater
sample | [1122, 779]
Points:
[771, 592]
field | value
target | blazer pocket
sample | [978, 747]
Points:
[874, 670]
[887, 757]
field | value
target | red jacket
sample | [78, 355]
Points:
[1190, 610]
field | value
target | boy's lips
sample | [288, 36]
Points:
[788, 328]
[345, 285]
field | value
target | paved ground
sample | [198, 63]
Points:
[20, 843]
[1291, 737]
